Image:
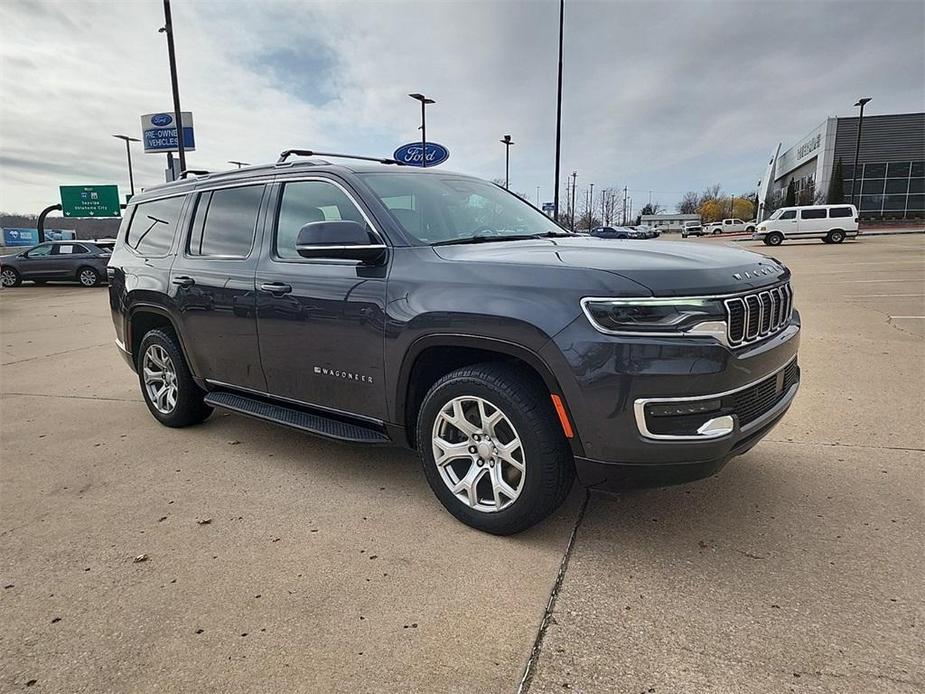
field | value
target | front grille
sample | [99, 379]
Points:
[751, 403]
[753, 317]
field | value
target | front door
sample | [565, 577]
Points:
[321, 322]
[212, 280]
[38, 263]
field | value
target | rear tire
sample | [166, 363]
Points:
[836, 236]
[10, 278]
[508, 466]
[775, 238]
[88, 277]
[167, 385]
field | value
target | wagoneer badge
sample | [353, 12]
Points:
[346, 375]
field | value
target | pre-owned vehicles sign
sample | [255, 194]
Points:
[159, 132]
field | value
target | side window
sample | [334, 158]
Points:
[813, 214]
[153, 224]
[68, 249]
[840, 212]
[40, 251]
[225, 222]
[310, 201]
[789, 214]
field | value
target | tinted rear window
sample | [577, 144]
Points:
[153, 225]
[225, 222]
[812, 214]
[841, 212]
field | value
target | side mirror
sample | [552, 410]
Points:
[341, 239]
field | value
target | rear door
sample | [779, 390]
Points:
[68, 257]
[212, 284]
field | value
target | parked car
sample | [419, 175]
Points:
[387, 304]
[77, 261]
[617, 233]
[730, 226]
[691, 229]
[830, 223]
[648, 232]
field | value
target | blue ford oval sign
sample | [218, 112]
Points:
[162, 119]
[410, 154]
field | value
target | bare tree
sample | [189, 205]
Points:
[690, 203]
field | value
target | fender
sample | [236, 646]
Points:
[146, 307]
[528, 356]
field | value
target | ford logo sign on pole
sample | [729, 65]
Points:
[410, 154]
[161, 119]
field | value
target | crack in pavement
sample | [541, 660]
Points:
[846, 445]
[54, 354]
[72, 397]
[527, 677]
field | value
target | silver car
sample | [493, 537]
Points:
[75, 261]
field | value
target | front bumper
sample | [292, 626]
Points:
[616, 377]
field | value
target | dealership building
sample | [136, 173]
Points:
[891, 166]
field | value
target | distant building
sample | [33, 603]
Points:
[891, 166]
[668, 222]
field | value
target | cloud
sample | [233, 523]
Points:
[661, 96]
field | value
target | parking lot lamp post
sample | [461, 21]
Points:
[555, 203]
[172, 57]
[857, 150]
[590, 206]
[128, 153]
[574, 185]
[507, 142]
[424, 101]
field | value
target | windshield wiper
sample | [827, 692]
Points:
[478, 238]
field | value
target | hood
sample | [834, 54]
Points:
[666, 268]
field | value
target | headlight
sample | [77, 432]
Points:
[762, 227]
[657, 316]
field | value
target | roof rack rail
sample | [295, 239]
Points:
[285, 154]
[194, 172]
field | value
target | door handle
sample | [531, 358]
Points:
[183, 281]
[276, 288]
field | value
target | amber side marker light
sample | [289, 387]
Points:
[563, 417]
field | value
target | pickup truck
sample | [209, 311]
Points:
[730, 226]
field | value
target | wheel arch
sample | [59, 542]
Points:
[432, 356]
[141, 319]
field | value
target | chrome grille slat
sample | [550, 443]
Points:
[755, 316]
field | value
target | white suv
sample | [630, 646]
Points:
[831, 223]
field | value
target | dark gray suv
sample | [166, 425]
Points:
[377, 303]
[74, 261]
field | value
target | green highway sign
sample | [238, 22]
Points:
[90, 201]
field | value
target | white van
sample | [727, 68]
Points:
[831, 223]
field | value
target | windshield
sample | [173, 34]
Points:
[777, 213]
[438, 209]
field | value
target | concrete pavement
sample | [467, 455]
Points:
[279, 562]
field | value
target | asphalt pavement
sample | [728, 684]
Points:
[238, 556]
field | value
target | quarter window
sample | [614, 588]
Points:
[304, 202]
[153, 224]
[812, 214]
[225, 222]
[69, 249]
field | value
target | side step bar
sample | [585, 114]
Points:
[295, 417]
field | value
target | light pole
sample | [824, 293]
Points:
[172, 57]
[590, 207]
[240, 163]
[507, 142]
[574, 184]
[555, 204]
[128, 153]
[424, 101]
[855, 188]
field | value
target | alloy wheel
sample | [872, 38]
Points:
[478, 454]
[160, 378]
[7, 278]
[88, 278]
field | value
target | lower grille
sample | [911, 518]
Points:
[751, 403]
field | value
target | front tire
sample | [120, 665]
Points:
[775, 238]
[10, 278]
[170, 393]
[492, 448]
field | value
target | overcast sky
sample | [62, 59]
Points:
[661, 96]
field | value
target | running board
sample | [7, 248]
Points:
[294, 417]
